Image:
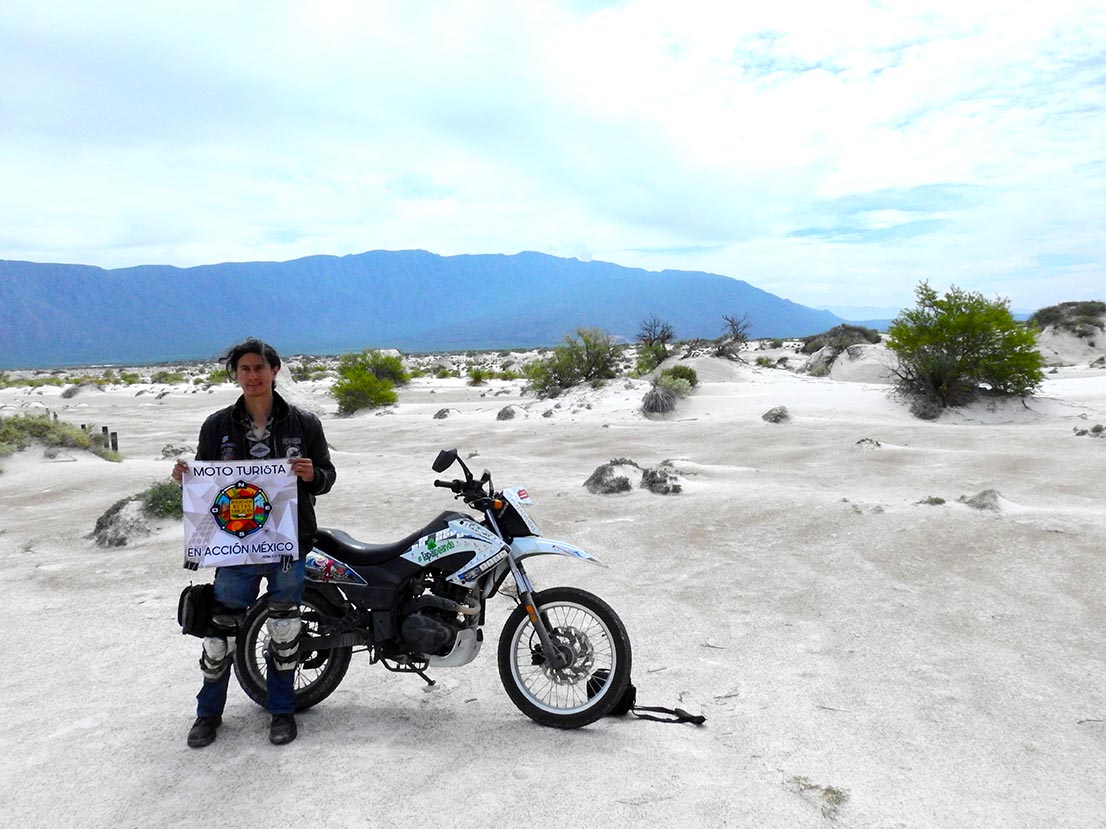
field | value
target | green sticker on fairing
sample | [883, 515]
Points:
[434, 551]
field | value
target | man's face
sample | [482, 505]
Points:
[255, 376]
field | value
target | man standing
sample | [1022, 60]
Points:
[260, 425]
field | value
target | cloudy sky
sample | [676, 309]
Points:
[834, 153]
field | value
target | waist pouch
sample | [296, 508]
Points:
[194, 609]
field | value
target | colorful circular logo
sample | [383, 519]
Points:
[241, 509]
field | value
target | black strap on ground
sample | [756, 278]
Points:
[675, 715]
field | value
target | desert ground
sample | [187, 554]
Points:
[869, 650]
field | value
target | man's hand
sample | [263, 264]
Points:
[303, 468]
[179, 468]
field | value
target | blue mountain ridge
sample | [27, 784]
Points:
[69, 315]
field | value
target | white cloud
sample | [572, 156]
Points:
[755, 142]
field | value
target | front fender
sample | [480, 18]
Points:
[535, 545]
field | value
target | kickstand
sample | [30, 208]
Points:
[427, 680]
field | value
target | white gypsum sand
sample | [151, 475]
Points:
[861, 655]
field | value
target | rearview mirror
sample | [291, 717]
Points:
[445, 460]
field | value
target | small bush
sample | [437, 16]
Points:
[298, 371]
[840, 337]
[678, 385]
[163, 500]
[926, 407]
[33, 382]
[478, 376]
[360, 389]
[367, 381]
[1080, 318]
[381, 366]
[546, 379]
[659, 400]
[168, 377]
[765, 362]
[20, 431]
[590, 356]
[649, 357]
[682, 373]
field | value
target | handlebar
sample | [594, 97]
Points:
[471, 488]
[472, 491]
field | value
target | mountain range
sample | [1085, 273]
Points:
[67, 315]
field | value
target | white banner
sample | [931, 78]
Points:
[239, 512]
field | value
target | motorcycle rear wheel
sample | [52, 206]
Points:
[586, 629]
[318, 674]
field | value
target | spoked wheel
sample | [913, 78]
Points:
[589, 633]
[319, 672]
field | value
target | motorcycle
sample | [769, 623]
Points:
[419, 603]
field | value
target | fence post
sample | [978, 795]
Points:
[114, 441]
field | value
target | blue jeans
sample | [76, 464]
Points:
[236, 589]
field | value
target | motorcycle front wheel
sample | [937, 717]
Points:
[318, 674]
[589, 633]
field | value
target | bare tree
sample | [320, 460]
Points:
[734, 335]
[655, 331]
[737, 328]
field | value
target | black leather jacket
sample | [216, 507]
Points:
[292, 433]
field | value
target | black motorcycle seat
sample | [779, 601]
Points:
[349, 550]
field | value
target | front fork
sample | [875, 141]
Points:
[554, 656]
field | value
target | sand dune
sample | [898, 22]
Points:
[868, 649]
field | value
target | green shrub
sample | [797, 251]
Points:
[17, 432]
[359, 389]
[367, 380]
[948, 346]
[163, 500]
[659, 400]
[1081, 318]
[590, 356]
[649, 357]
[478, 376]
[1066, 311]
[840, 337]
[549, 377]
[132, 377]
[677, 385]
[167, 377]
[682, 372]
[382, 366]
[765, 362]
[34, 382]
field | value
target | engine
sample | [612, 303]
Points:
[431, 619]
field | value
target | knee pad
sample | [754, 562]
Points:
[283, 626]
[218, 653]
[218, 648]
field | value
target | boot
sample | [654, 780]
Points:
[282, 729]
[203, 731]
